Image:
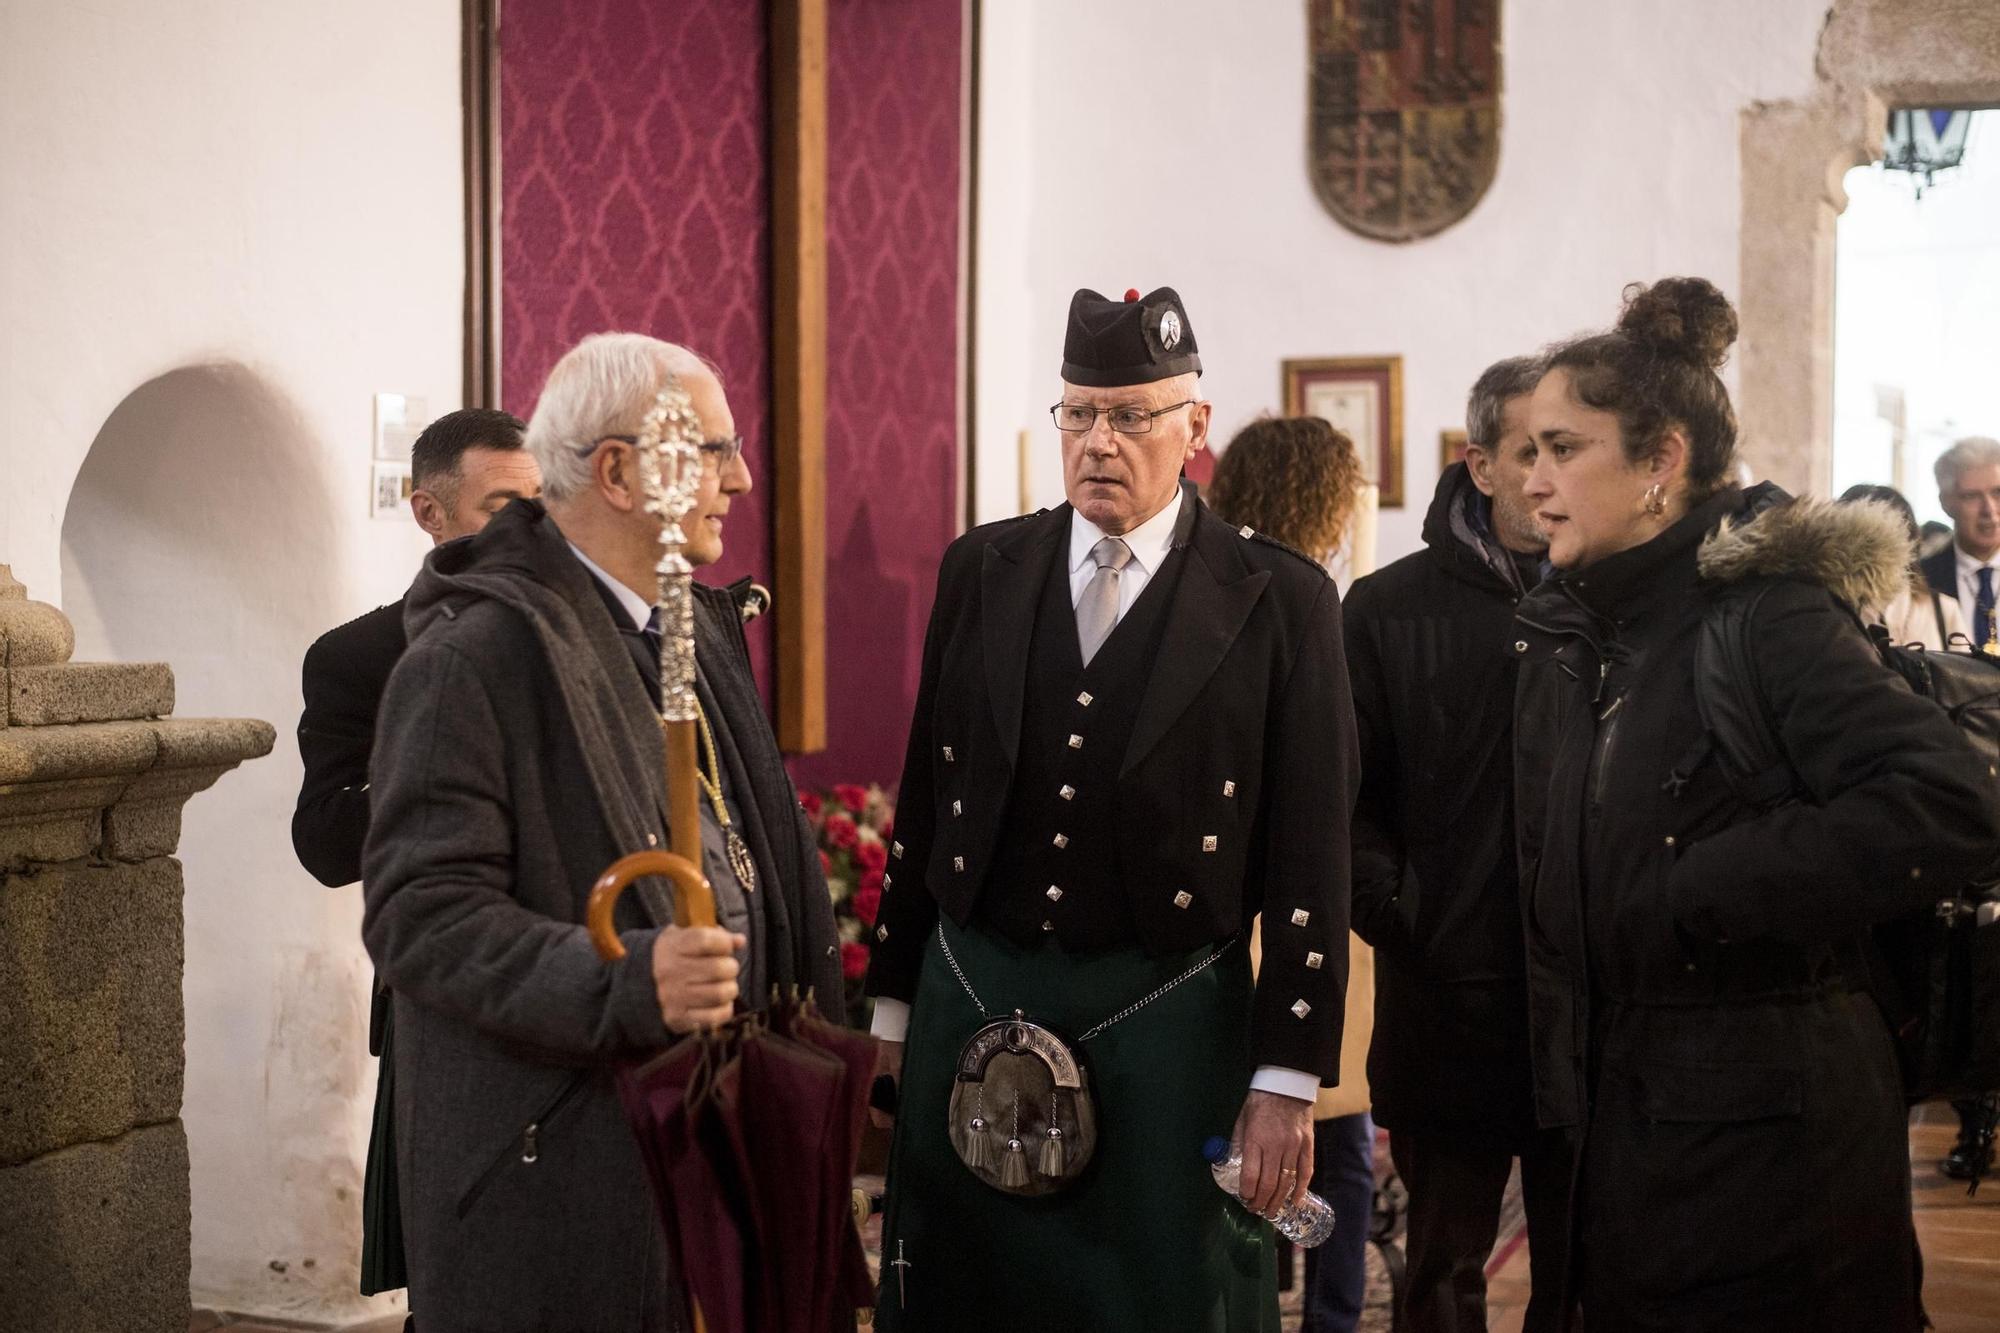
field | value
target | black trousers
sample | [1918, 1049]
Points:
[1456, 1179]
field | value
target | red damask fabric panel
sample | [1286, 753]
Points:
[892, 217]
[634, 141]
[636, 195]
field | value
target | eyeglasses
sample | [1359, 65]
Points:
[1076, 418]
[720, 453]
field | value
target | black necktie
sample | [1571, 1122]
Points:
[652, 635]
[644, 646]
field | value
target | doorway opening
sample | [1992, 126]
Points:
[1917, 305]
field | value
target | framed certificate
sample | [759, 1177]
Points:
[1362, 397]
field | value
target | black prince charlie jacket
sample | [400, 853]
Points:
[1244, 736]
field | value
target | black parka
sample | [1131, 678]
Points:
[1430, 654]
[1744, 1161]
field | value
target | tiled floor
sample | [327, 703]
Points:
[1960, 1238]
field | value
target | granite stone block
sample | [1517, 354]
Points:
[97, 1237]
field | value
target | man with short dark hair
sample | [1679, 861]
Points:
[466, 466]
[1435, 883]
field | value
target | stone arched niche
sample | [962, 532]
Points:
[202, 531]
[1873, 55]
[198, 528]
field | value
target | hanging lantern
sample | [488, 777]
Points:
[1924, 143]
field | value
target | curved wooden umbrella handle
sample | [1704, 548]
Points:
[694, 901]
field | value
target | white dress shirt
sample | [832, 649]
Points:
[637, 608]
[1150, 543]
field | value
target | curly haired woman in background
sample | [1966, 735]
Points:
[1297, 479]
[1743, 1152]
[1293, 478]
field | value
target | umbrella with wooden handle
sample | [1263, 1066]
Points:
[749, 1130]
[694, 900]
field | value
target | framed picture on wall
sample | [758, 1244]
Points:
[1451, 448]
[1363, 397]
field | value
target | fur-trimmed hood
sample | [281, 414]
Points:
[1859, 552]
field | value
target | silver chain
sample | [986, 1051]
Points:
[1118, 1017]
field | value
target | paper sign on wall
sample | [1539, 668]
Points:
[399, 419]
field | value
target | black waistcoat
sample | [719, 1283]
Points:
[1055, 868]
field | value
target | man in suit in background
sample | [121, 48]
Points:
[1968, 478]
[467, 466]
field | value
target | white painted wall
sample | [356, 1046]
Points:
[272, 186]
[1618, 162]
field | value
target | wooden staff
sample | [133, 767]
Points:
[669, 452]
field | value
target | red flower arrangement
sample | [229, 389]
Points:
[854, 825]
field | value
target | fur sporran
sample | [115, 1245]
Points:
[1022, 1118]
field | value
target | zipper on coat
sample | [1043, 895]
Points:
[527, 1146]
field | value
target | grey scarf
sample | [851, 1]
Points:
[615, 724]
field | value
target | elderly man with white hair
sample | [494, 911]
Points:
[1133, 734]
[518, 755]
[1968, 478]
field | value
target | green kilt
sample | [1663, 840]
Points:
[1144, 1240]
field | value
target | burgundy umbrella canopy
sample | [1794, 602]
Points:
[750, 1133]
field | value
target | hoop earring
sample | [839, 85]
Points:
[1656, 500]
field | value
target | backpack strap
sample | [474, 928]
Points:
[1735, 718]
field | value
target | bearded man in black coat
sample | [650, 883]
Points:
[1436, 890]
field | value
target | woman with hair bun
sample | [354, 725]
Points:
[1743, 1159]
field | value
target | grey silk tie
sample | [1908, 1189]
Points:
[1097, 611]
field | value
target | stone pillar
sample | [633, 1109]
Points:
[94, 1223]
[1873, 55]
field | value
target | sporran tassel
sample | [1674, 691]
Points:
[1014, 1166]
[1052, 1154]
[975, 1145]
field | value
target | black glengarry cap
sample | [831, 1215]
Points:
[1134, 341]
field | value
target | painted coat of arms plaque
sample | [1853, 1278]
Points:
[1405, 116]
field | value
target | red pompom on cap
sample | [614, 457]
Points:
[1131, 293]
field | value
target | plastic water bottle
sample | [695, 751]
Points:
[1304, 1226]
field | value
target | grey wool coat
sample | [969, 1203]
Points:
[525, 1204]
